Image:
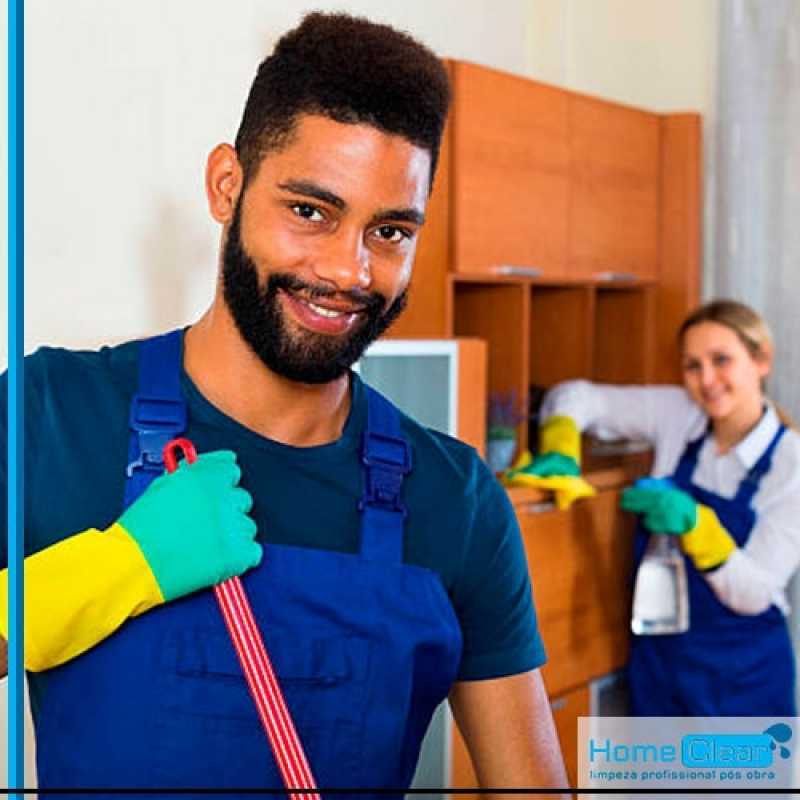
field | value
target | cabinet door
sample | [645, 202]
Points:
[567, 708]
[614, 215]
[510, 173]
[580, 566]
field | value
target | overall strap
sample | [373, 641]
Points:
[386, 459]
[158, 411]
[750, 483]
[688, 462]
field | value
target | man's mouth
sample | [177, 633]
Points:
[325, 316]
[330, 311]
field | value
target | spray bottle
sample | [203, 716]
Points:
[661, 592]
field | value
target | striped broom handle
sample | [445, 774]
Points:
[264, 687]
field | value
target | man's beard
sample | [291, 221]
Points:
[301, 356]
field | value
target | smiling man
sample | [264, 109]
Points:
[382, 560]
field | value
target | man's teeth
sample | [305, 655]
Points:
[324, 312]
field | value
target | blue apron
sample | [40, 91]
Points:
[365, 647]
[726, 664]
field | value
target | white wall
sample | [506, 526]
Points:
[649, 53]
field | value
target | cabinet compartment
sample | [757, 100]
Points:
[623, 334]
[499, 313]
[562, 330]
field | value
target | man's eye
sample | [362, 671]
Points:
[392, 234]
[721, 360]
[307, 211]
[691, 366]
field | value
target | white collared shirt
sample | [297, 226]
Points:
[755, 576]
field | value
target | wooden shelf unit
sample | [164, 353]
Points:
[596, 207]
[542, 332]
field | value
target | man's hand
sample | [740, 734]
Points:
[189, 530]
[508, 728]
[192, 525]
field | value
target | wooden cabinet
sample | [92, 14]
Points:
[510, 175]
[614, 200]
[580, 566]
[564, 229]
[580, 563]
[567, 709]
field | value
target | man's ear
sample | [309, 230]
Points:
[224, 178]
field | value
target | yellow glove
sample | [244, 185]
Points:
[560, 434]
[566, 488]
[708, 544]
[188, 530]
[78, 592]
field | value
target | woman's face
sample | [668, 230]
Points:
[720, 374]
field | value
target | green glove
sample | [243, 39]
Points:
[192, 525]
[548, 465]
[668, 510]
[662, 510]
[187, 531]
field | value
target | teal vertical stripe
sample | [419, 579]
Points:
[16, 406]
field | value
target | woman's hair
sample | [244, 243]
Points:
[747, 324]
[741, 319]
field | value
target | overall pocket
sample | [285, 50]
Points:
[208, 733]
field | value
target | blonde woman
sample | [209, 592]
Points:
[733, 504]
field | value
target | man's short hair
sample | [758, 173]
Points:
[350, 70]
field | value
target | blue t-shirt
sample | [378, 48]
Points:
[460, 523]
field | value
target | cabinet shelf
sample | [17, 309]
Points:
[540, 333]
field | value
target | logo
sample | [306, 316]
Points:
[692, 752]
[780, 733]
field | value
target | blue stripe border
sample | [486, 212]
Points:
[16, 406]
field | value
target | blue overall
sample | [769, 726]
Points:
[365, 647]
[726, 664]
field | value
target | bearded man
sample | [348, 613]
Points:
[382, 560]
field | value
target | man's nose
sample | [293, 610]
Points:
[344, 262]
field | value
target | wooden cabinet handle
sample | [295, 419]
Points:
[522, 272]
[620, 277]
[538, 508]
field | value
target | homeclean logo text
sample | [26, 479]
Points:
[686, 752]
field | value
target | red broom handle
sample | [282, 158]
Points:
[257, 667]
